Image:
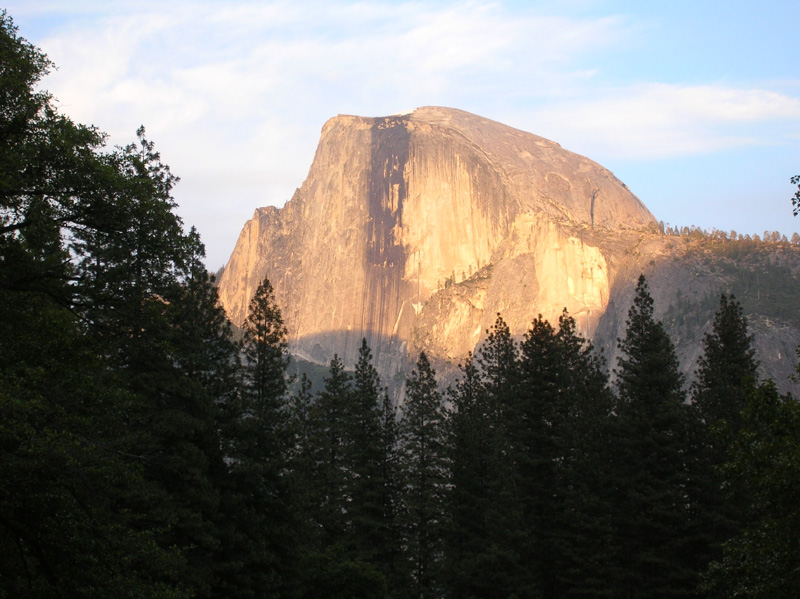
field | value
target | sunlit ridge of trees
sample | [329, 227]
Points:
[713, 234]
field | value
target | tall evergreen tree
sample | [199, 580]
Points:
[555, 421]
[565, 388]
[424, 479]
[542, 388]
[301, 458]
[483, 525]
[265, 350]
[366, 457]
[527, 511]
[726, 376]
[763, 558]
[652, 522]
[187, 393]
[299, 406]
[66, 527]
[136, 272]
[340, 473]
[727, 369]
[76, 521]
[498, 360]
[647, 372]
[130, 250]
[328, 475]
[261, 555]
[465, 535]
[389, 552]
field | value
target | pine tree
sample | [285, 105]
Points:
[726, 376]
[365, 458]
[556, 421]
[648, 371]
[465, 534]
[727, 369]
[300, 406]
[140, 275]
[566, 389]
[483, 526]
[66, 527]
[76, 517]
[388, 550]
[262, 553]
[651, 517]
[424, 479]
[206, 359]
[301, 458]
[195, 395]
[265, 350]
[343, 485]
[542, 387]
[527, 509]
[762, 559]
[329, 486]
[130, 250]
[498, 361]
[135, 272]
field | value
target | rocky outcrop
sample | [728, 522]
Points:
[416, 230]
[397, 212]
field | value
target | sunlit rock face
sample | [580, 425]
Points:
[414, 231]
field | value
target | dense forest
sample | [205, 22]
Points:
[148, 452]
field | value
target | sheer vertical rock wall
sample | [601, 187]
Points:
[414, 231]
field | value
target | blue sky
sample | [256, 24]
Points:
[694, 104]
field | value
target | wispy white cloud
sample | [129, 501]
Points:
[658, 120]
[252, 50]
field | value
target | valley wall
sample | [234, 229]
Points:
[415, 231]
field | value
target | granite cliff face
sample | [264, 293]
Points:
[414, 231]
[396, 211]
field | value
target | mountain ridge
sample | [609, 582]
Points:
[397, 212]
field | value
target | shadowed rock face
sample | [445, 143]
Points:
[414, 231]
